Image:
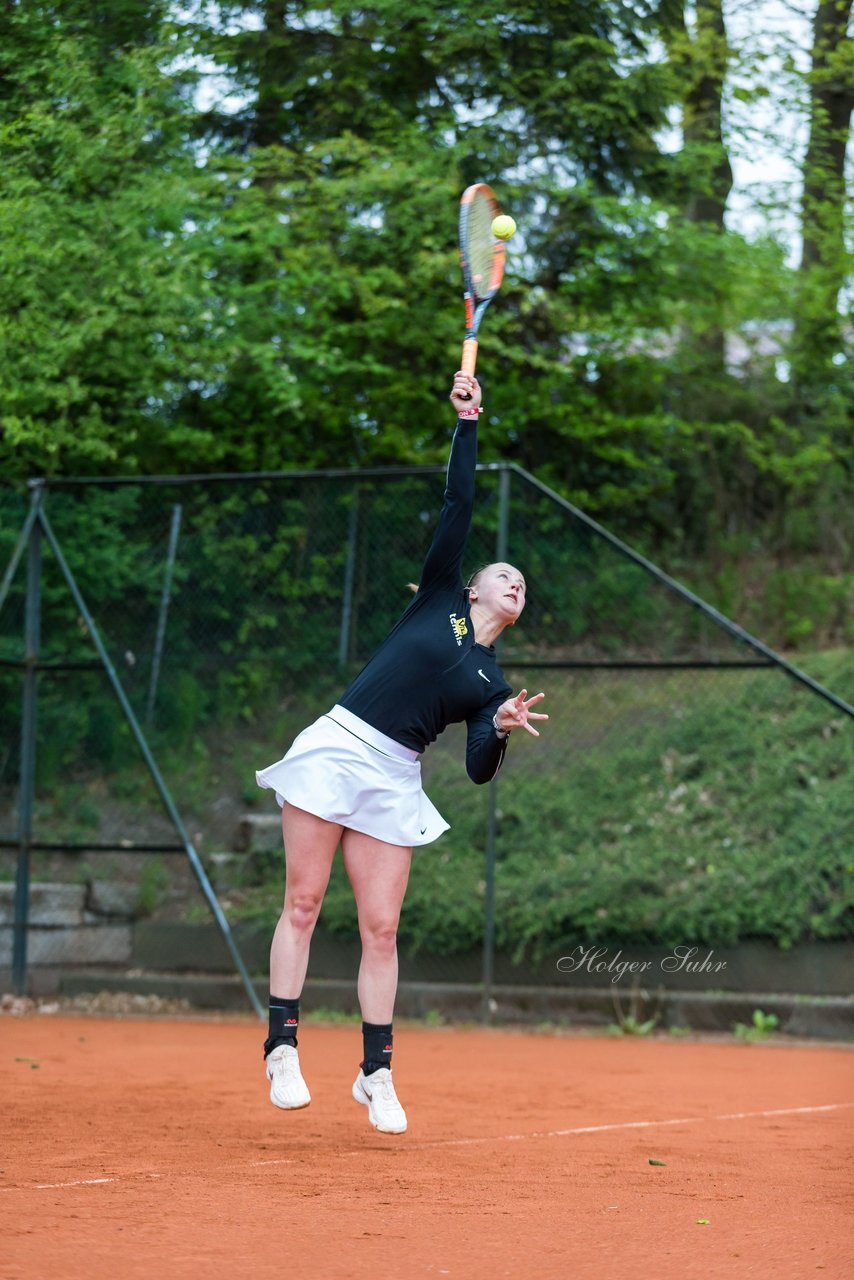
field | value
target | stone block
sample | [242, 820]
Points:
[52, 904]
[108, 898]
[170, 945]
[260, 832]
[103, 944]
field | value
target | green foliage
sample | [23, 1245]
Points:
[153, 884]
[101, 291]
[760, 1028]
[258, 282]
[334, 1016]
[630, 1026]
[712, 826]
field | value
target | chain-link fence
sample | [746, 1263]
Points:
[688, 787]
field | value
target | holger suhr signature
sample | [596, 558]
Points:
[679, 960]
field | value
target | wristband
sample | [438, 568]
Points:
[502, 733]
[469, 413]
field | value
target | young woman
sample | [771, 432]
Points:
[354, 778]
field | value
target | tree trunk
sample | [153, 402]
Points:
[703, 123]
[703, 134]
[700, 54]
[822, 267]
[267, 124]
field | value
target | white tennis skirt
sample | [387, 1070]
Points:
[345, 771]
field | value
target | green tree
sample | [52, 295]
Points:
[102, 299]
[355, 134]
[271, 280]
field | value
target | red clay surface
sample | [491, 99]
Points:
[150, 1148]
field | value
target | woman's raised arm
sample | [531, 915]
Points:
[443, 563]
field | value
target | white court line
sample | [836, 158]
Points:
[119, 1177]
[470, 1142]
[625, 1124]
[84, 1182]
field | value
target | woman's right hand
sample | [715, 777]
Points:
[516, 712]
[465, 393]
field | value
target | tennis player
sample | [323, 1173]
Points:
[354, 777]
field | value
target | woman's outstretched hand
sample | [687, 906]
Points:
[465, 393]
[516, 712]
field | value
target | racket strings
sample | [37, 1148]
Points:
[480, 243]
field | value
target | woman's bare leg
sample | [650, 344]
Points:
[310, 844]
[379, 874]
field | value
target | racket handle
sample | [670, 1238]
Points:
[469, 360]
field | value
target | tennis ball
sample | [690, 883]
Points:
[503, 227]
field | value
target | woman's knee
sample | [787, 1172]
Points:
[301, 911]
[379, 936]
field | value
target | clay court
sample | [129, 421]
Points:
[149, 1148]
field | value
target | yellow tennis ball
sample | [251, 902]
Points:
[503, 227]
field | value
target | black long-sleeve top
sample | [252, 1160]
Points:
[429, 672]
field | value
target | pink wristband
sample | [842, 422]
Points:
[469, 413]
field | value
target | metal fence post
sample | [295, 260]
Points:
[501, 540]
[29, 708]
[164, 609]
[344, 638]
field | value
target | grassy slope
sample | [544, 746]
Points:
[660, 807]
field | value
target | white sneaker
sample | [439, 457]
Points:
[376, 1092]
[288, 1090]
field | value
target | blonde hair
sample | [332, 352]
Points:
[414, 587]
[472, 582]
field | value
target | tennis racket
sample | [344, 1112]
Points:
[482, 261]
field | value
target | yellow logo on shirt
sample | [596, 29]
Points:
[459, 628]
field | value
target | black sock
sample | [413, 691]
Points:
[284, 1023]
[377, 1040]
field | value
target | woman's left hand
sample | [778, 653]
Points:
[516, 712]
